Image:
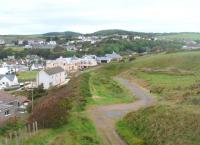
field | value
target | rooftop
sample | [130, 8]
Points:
[54, 70]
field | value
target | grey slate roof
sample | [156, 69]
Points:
[113, 56]
[54, 70]
[9, 77]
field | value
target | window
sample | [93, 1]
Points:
[7, 112]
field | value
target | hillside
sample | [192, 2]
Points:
[180, 36]
[119, 32]
[62, 34]
[162, 125]
[174, 79]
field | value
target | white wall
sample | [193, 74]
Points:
[50, 81]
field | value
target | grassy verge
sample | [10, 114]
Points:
[162, 125]
[27, 76]
[174, 78]
[79, 131]
[104, 88]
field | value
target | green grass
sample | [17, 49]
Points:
[162, 125]
[191, 36]
[182, 60]
[173, 76]
[106, 89]
[175, 79]
[79, 131]
[27, 76]
[168, 86]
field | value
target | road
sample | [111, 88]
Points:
[105, 117]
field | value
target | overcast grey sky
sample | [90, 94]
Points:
[41, 16]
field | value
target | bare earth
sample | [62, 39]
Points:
[105, 117]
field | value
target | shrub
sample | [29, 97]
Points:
[54, 110]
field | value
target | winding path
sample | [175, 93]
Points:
[105, 117]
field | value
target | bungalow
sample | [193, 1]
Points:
[51, 77]
[8, 81]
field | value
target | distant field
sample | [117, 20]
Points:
[15, 49]
[18, 37]
[27, 76]
[191, 36]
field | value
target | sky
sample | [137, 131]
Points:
[86, 16]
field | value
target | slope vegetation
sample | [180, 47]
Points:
[174, 79]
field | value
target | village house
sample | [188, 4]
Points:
[36, 67]
[51, 77]
[70, 65]
[103, 60]
[8, 81]
[73, 64]
[4, 70]
[11, 106]
[88, 61]
[2, 43]
[114, 56]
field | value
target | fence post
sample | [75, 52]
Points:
[10, 136]
[36, 126]
[6, 141]
[16, 138]
[29, 129]
[33, 127]
[19, 136]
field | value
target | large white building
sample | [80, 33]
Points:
[51, 77]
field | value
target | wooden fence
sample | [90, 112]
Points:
[18, 137]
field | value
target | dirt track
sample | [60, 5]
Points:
[105, 117]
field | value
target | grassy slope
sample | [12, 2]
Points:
[162, 125]
[167, 124]
[78, 130]
[191, 36]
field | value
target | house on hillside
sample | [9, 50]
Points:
[8, 81]
[51, 77]
[114, 56]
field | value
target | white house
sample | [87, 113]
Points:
[51, 77]
[114, 56]
[103, 60]
[36, 67]
[4, 70]
[8, 81]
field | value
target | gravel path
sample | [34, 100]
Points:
[105, 117]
